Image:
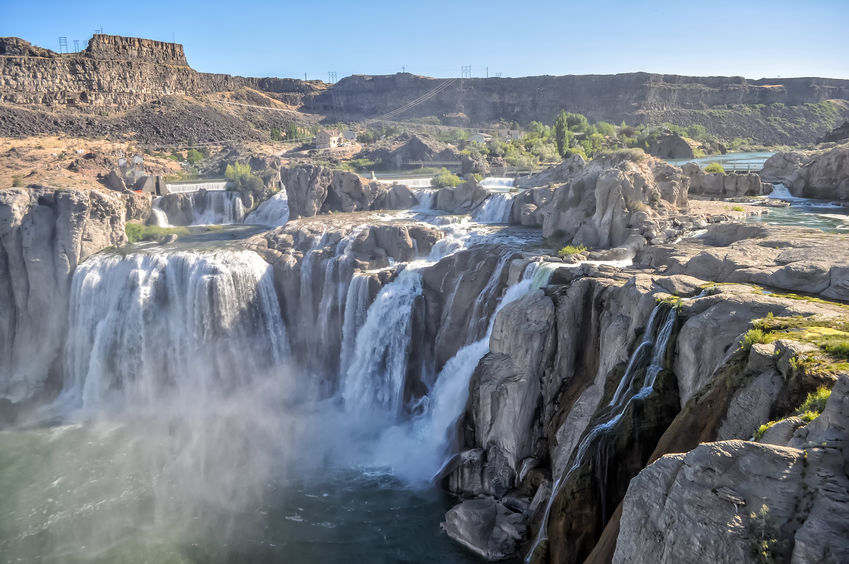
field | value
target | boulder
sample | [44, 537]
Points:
[461, 198]
[670, 146]
[821, 174]
[486, 527]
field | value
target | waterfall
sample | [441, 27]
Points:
[375, 377]
[273, 212]
[425, 198]
[417, 449]
[653, 350]
[496, 182]
[219, 207]
[495, 209]
[356, 309]
[146, 325]
[160, 218]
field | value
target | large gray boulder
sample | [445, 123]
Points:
[461, 198]
[821, 174]
[486, 527]
[670, 146]
[723, 185]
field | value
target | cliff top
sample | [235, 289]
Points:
[105, 47]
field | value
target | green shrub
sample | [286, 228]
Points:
[738, 208]
[570, 250]
[715, 168]
[194, 156]
[445, 178]
[753, 336]
[137, 232]
[814, 404]
[276, 134]
[17, 181]
[241, 177]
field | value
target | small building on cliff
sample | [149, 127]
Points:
[327, 139]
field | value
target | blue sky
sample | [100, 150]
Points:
[755, 38]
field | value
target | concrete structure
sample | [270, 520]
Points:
[480, 137]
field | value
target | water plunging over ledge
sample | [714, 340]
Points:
[186, 432]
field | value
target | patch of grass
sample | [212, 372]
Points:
[715, 168]
[570, 250]
[137, 232]
[17, 181]
[738, 208]
[753, 336]
[809, 410]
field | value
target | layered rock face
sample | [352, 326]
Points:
[821, 174]
[788, 502]
[579, 392]
[605, 202]
[115, 71]
[724, 185]
[314, 189]
[45, 234]
[612, 97]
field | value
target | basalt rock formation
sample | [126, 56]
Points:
[822, 174]
[314, 189]
[610, 201]
[45, 234]
[723, 185]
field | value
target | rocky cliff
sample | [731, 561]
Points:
[116, 71]
[45, 234]
[822, 174]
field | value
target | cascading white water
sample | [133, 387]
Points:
[425, 198]
[653, 347]
[220, 207]
[356, 309]
[495, 209]
[415, 450]
[273, 212]
[144, 325]
[375, 377]
[160, 218]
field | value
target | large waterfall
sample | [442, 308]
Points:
[217, 399]
[146, 324]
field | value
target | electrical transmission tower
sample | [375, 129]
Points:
[466, 71]
[76, 45]
[63, 44]
[498, 75]
[331, 77]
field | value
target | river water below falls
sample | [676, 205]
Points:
[185, 431]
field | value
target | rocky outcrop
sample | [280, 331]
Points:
[314, 189]
[461, 198]
[786, 503]
[791, 258]
[45, 234]
[607, 202]
[670, 146]
[721, 185]
[820, 174]
[836, 135]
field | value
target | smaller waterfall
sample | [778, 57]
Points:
[497, 182]
[220, 207]
[273, 212]
[417, 449]
[653, 348]
[425, 197]
[495, 209]
[356, 309]
[375, 376]
[160, 218]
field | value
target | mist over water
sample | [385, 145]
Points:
[185, 431]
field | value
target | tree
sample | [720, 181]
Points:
[562, 136]
[276, 135]
[577, 122]
[292, 131]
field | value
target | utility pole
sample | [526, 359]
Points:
[403, 68]
[63, 44]
[466, 71]
[331, 77]
[305, 77]
[487, 72]
[76, 45]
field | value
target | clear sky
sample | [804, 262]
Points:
[753, 38]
